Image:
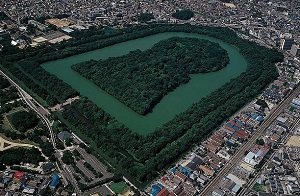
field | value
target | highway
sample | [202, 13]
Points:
[240, 154]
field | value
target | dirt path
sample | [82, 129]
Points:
[5, 144]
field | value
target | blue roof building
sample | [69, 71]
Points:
[254, 116]
[260, 118]
[235, 128]
[229, 124]
[55, 181]
[184, 170]
[6, 180]
[173, 169]
[156, 189]
[236, 189]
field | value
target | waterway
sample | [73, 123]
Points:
[172, 104]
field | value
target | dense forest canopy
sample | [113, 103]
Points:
[24, 120]
[141, 79]
[3, 16]
[4, 83]
[145, 17]
[17, 155]
[183, 14]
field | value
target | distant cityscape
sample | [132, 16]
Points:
[255, 152]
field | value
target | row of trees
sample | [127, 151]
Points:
[50, 82]
[141, 79]
[30, 83]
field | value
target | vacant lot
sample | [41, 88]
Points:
[294, 141]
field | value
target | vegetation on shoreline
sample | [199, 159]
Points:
[156, 151]
[143, 157]
[141, 79]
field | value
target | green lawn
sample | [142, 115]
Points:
[119, 187]
[257, 187]
[6, 123]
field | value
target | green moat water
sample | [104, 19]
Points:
[172, 104]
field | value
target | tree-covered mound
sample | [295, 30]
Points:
[183, 14]
[17, 155]
[145, 17]
[141, 79]
[23, 120]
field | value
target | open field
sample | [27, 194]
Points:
[5, 144]
[119, 187]
[7, 124]
[294, 141]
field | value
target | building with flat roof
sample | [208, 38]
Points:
[250, 159]
[287, 44]
[236, 179]
[217, 192]
[235, 190]
[55, 181]
[295, 50]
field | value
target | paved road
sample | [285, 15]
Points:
[85, 170]
[95, 163]
[240, 154]
[67, 172]
[33, 105]
[252, 182]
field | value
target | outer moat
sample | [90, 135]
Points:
[172, 104]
